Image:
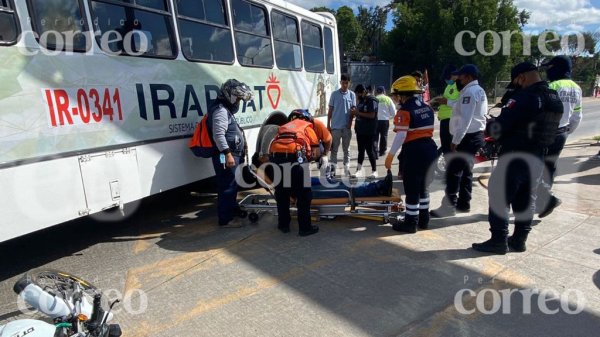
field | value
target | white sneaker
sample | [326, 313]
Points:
[347, 170]
[595, 158]
[373, 175]
[358, 174]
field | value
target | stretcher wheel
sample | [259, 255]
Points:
[253, 217]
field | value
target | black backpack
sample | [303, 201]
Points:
[545, 123]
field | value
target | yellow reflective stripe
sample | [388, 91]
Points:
[565, 83]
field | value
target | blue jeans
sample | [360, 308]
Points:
[359, 190]
[227, 206]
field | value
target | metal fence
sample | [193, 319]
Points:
[366, 73]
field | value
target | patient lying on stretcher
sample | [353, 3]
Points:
[325, 186]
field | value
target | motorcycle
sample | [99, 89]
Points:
[74, 305]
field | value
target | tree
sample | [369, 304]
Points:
[524, 17]
[372, 21]
[323, 9]
[348, 29]
[425, 36]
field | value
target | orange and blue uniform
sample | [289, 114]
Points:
[413, 125]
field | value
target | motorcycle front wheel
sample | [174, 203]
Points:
[54, 282]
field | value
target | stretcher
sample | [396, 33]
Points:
[387, 209]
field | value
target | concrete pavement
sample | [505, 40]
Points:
[183, 276]
[359, 278]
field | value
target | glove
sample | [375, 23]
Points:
[388, 161]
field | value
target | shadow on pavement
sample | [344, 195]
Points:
[574, 164]
[375, 279]
[354, 273]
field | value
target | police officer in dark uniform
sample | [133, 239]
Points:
[524, 129]
[413, 125]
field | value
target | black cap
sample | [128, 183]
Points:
[468, 69]
[561, 61]
[521, 68]
[359, 89]
[380, 89]
[447, 72]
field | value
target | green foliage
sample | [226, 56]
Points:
[425, 30]
[372, 22]
[323, 9]
[349, 30]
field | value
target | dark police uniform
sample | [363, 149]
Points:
[365, 129]
[419, 151]
[515, 179]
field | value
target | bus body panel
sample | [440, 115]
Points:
[84, 132]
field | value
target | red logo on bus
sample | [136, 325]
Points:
[273, 91]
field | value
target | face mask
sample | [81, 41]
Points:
[449, 82]
[235, 107]
[459, 85]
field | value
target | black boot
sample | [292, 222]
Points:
[423, 219]
[517, 241]
[463, 207]
[550, 206]
[496, 245]
[309, 231]
[490, 246]
[385, 186]
[409, 225]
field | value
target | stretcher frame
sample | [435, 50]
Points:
[387, 209]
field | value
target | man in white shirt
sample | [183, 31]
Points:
[386, 111]
[467, 126]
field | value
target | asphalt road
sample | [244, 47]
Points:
[170, 246]
[590, 125]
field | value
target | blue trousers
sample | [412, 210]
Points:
[227, 206]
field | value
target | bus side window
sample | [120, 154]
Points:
[313, 47]
[329, 57]
[204, 30]
[252, 35]
[59, 25]
[134, 28]
[287, 41]
[9, 28]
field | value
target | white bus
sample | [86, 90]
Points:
[98, 98]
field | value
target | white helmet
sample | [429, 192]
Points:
[233, 89]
